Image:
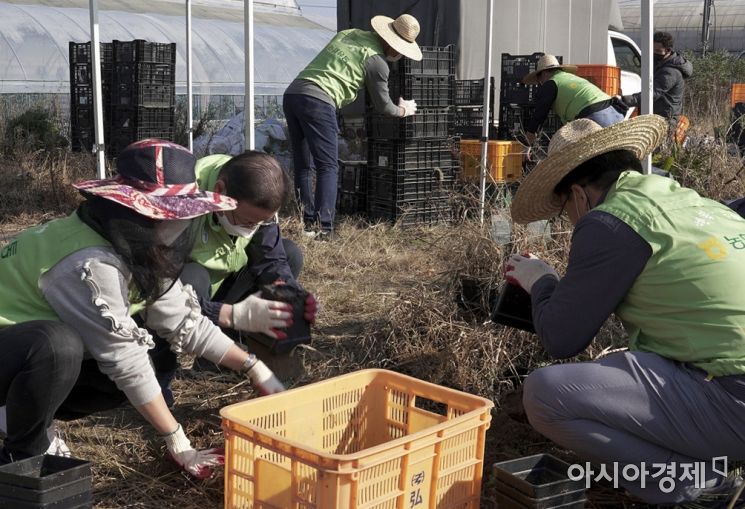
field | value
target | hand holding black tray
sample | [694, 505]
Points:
[513, 308]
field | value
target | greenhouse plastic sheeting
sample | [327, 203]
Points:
[34, 43]
[683, 19]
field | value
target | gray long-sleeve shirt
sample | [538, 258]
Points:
[377, 73]
[605, 258]
[89, 291]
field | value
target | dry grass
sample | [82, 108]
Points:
[388, 300]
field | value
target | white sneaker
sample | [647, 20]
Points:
[57, 446]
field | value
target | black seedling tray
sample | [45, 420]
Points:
[513, 308]
[46, 482]
[299, 332]
[569, 499]
[505, 502]
[44, 472]
[538, 476]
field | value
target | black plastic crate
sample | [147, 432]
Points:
[516, 67]
[413, 154]
[351, 203]
[353, 176]
[537, 476]
[142, 118]
[509, 497]
[436, 60]
[427, 91]
[410, 213]
[471, 92]
[155, 96]
[469, 121]
[82, 139]
[45, 481]
[80, 53]
[140, 50]
[145, 73]
[514, 117]
[425, 184]
[430, 123]
[515, 92]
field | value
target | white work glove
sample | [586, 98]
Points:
[197, 463]
[263, 379]
[525, 270]
[408, 106]
[254, 314]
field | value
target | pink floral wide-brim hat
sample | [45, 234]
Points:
[156, 178]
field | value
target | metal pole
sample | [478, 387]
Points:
[487, 97]
[97, 106]
[706, 26]
[646, 45]
[248, 42]
[189, 97]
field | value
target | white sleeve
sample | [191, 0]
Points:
[177, 317]
[89, 291]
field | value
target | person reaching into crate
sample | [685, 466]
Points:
[352, 60]
[70, 347]
[668, 263]
[235, 253]
[570, 97]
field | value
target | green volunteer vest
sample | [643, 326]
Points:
[688, 304]
[574, 94]
[213, 248]
[339, 69]
[24, 260]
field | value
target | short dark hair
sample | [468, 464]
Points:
[664, 38]
[600, 172]
[257, 178]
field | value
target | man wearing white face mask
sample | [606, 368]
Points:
[235, 254]
[353, 59]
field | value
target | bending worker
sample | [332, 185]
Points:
[69, 345]
[237, 252]
[353, 59]
[569, 96]
[669, 264]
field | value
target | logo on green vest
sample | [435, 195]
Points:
[9, 250]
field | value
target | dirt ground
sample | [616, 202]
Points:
[388, 298]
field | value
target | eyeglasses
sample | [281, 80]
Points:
[268, 222]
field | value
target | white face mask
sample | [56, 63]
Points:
[169, 231]
[394, 59]
[236, 231]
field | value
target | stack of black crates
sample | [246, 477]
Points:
[516, 100]
[469, 109]
[139, 93]
[81, 93]
[412, 161]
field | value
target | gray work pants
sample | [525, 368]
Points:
[634, 407]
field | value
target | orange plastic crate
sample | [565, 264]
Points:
[606, 77]
[737, 94]
[504, 160]
[373, 439]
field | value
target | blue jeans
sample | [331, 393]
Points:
[605, 117]
[314, 135]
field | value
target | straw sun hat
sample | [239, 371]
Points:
[572, 145]
[546, 63]
[400, 34]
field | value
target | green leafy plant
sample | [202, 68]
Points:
[34, 129]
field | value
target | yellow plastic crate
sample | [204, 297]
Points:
[370, 439]
[504, 160]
